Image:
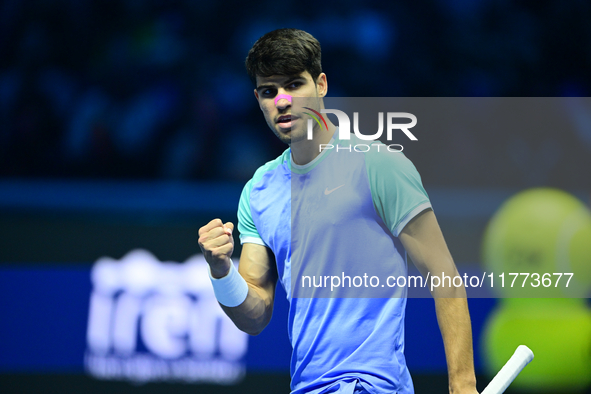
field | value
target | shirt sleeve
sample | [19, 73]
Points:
[246, 226]
[396, 188]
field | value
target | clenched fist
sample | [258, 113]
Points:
[217, 244]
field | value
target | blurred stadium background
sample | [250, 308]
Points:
[127, 125]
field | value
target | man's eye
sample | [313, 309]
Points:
[295, 85]
[269, 93]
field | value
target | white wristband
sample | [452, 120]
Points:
[231, 290]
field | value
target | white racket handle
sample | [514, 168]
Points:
[522, 356]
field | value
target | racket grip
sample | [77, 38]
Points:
[522, 356]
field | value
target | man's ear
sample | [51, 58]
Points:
[256, 94]
[321, 85]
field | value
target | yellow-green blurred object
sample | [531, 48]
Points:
[558, 331]
[540, 231]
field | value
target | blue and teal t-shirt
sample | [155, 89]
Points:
[339, 215]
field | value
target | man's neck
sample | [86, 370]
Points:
[303, 152]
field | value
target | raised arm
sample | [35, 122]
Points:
[424, 242]
[246, 295]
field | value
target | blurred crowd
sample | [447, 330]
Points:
[156, 89]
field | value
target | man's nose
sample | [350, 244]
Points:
[282, 101]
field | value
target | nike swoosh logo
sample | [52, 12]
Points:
[327, 192]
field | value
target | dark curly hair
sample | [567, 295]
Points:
[284, 52]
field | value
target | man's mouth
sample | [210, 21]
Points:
[285, 121]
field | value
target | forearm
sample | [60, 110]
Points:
[454, 322]
[246, 295]
[253, 315]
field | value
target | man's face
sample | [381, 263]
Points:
[285, 121]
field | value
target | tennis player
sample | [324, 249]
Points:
[340, 345]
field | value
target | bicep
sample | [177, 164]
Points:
[423, 241]
[257, 267]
